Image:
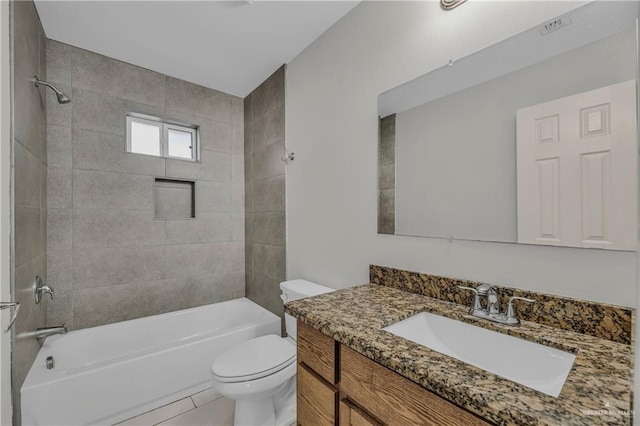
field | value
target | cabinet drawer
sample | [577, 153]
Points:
[351, 415]
[316, 399]
[317, 351]
[394, 399]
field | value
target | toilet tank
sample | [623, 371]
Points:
[299, 289]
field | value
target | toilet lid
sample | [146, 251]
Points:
[254, 359]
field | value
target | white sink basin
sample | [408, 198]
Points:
[533, 365]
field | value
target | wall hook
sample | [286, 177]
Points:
[289, 157]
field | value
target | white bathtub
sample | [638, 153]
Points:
[106, 374]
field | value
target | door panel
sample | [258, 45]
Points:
[577, 170]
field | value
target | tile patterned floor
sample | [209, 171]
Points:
[206, 408]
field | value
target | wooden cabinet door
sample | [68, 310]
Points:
[317, 400]
[317, 351]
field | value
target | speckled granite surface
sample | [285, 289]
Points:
[595, 319]
[597, 391]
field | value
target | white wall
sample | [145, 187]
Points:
[331, 121]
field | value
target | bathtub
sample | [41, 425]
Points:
[107, 374]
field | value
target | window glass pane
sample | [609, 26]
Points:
[180, 144]
[145, 138]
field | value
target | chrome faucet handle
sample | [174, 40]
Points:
[493, 302]
[484, 289]
[477, 306]
[468, 288]
[512, 298]
[47, 289]
[511, 314]
[41, 288]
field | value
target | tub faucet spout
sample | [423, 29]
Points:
[44, 332]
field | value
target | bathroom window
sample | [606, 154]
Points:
[154, 136]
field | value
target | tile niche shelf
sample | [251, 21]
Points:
[174, 199]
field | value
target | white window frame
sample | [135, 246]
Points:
[164, 126]
[194, 140]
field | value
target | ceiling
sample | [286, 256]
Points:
[231, 46]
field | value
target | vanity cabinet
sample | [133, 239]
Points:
[316, 398]
[318, 352]
[394, 399]
[337, 385]
[316, 378]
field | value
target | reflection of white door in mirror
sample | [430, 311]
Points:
[577, 170]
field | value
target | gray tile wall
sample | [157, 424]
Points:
[29, 173]
[264, 146]
[387, 175]
[108, 258]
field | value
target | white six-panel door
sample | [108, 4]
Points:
[577, 170]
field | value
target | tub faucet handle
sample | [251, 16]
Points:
[42, 288]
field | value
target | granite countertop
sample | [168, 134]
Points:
[598, 389]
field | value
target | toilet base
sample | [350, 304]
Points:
[258, 413]
[286, 404]
[278, 410]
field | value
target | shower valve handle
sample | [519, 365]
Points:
[42, 288]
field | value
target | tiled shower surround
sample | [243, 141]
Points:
[107, 257]
[265, 192]
[387, 175]
[29, 175]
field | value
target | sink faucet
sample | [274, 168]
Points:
[44, 332]
[492, 309]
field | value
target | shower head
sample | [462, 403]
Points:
[62, 98]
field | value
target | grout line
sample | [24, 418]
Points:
[268, 245]
[82, 169]
[267, 110]
[27, 149]
[185, 412]
[158, 408]
[217, 243]
[217, 150]
[193, 402]
[84, 209]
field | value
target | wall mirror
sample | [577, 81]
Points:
[454, 162]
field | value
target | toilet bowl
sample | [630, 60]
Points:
[259, 374]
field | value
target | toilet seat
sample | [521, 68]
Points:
[254, 359]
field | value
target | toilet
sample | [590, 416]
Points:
[259, 374]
